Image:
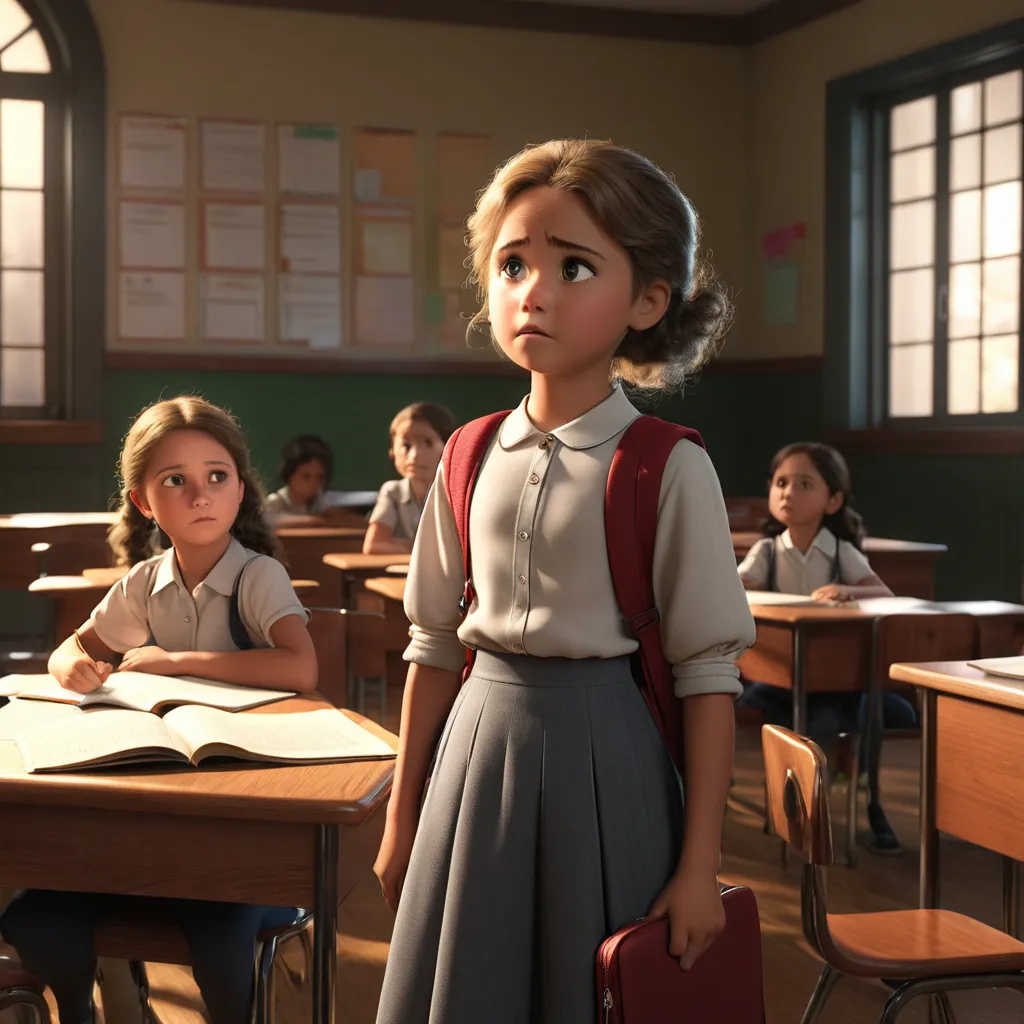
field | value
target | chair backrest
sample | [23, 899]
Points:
[794, 770]
[348, 643]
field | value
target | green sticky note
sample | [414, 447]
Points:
[781, 290]
[435, 307]
[325, 132]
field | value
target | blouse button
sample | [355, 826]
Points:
[517, 646]
[534, 479]
[188, 618]
[522, 579]
[524, 534]
[543, 443]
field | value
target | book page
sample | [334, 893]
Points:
[19, 715]
[103, 737]
[1008, 668]
[144, 691]
[771, 597]
[322, 735]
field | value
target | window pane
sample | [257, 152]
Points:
[965, 108]
[965, 227]
[13, 20]
[27, 54]
[1002, 97]
[999, 374]
[965, 162]
[913, 124]
[912, 239]
[21, 229]
[21, 299]
[1002, 219]
[911, 302]
[910, 380]
[1002, 154]
[913, 174]
[1001, 297]
[965, 300]
[21, 376]
[21, 143]
[964, 390]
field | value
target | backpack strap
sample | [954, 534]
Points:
[461, 461]
[239, 634]
[773, 583]
[631, 522]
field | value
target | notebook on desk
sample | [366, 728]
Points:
[771, 597]
[190, 734]
[1007, 668]
[144, 691]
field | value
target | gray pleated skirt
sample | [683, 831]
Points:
[553, 817]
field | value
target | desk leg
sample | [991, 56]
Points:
[874, 720]
[928, 895]
[799, 681]
[325, 925]
[1011, 897]
[349, 590]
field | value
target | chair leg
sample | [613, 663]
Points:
[25, 999]
[946, 1015]
[851, 805]
[826, 982]
[895, 1003]
[263, 1005]
[298, 977]
[141, 979]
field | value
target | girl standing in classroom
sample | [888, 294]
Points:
[218, 605]
[554, 813]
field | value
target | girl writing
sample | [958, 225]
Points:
[813, 545]
[554, 814]
[217, 604]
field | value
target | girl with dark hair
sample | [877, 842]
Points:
[305, 471]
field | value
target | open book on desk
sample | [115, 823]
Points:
[1007, 668]
[190, 734]
[144, 691]
[771, 597]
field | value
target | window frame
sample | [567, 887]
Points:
[857, 235]
[75, 118]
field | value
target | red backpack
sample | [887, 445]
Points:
[630, 524]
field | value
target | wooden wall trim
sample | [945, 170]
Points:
[50, 432]
[744, 30]
[965, 441]
[414, 367]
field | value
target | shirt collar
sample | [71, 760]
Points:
[824, 541]
[594, 427]
[220, 578]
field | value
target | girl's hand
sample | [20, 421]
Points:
[393, 860]
[693, 904]
[833, 592]
[81, 674]
[149, 659]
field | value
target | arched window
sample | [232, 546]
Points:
[52, 198]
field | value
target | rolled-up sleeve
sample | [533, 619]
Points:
[433, 589]
[705, 618]
[121, 619]
[754, 568]
[266, 597]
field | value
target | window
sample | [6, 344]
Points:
[954, 233]
[924, 226]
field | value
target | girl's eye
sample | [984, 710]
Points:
[174, 480]
[218, 476]
[576, 270]
[512, 268]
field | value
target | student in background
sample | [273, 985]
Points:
[418, 436]
[306, 468]
[813, 545]
[218, 605]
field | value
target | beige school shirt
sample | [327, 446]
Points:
[152, 598]
[798, 572]
[540, 564]
[397, 507]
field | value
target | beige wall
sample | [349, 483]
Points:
[683, 106]
[786, 84]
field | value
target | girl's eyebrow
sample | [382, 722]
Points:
[558, 243]
[181, 465]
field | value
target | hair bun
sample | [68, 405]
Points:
[701, 325]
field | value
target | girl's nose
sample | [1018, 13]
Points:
[536, 294]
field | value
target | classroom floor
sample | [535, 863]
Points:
[970, 883]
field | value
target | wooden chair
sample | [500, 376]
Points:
[920, 952]
[155, 937]
[349, 645]
[901, 638]
[24, 991]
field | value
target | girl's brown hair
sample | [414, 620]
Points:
[642, 209]
[131, 537]
[845, 523]
[436, 416]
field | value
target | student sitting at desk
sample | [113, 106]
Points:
[418, 436]
[306, 467]
[813, 545]
[216, 605]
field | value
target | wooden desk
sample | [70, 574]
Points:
[76, 539]
[305, 548]
[75, 596]
[390, 587]
[907, 567]
[972, 770]
[289, 836]
[353, 569]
